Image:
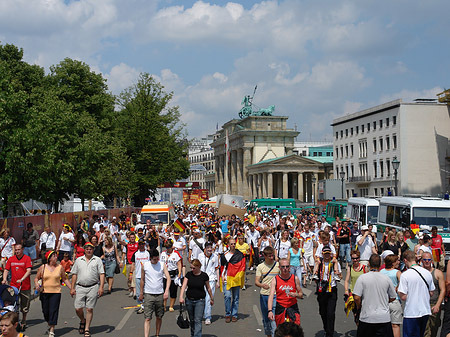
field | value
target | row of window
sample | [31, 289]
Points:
[364, 192]
[381, 168]
[367, 127]
[202, 157]
[381, 144]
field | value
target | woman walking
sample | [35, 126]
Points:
[296, 261]
[47, 281]
[111, 261]
[174, 264]
[195, 282]
[78, 248]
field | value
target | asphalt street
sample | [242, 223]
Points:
[111, 319]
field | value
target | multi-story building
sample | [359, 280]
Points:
[201, 158]
[416, 134]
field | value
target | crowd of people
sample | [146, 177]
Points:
[390, 284]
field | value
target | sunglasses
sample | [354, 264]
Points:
[427, 260]
[285, 267]
[355, 258]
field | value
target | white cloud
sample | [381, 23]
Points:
[410, 95]
[121, 77]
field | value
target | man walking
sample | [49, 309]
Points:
[233, 279]
[343, 236]
[372, 293]
[210, 265]
[152, 292]
[137, 259]
[20, 267]
[87, 272]
[196, 245]
[434, 322]
[265, 272]
[30, 241]
[366, 245]
[415, 289]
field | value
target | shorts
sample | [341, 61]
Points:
[25, 300]
[396, 311]
[86, 297]
[309, 258]
[153, 304]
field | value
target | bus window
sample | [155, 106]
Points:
[362, 217]
[397, 215]
[432, 216]
[372, 214]
[405, 217]
[390, 215]
[383, 213]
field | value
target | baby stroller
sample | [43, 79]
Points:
[9, 299]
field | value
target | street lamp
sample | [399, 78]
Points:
[342, 175]
[313, 180]
[395, 165]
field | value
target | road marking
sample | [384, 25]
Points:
[258, 315]
[124, 319]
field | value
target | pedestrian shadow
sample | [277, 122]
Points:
[35, 321]
[93, 330]
[351, 333]
[215, 318]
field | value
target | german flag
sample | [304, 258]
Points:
[415, 228]
[235, 270]
[180, 225]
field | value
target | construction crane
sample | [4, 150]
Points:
[444, 97]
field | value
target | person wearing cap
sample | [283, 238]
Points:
[87, 272]
[48, 282]
[65, 242]
[366, 246]
[327, 291]
[137, 260]
[20, 267]
[372, 293]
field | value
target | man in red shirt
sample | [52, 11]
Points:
[131, 248]
[20, 267]
[437, 247]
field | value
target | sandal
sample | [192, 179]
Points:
[87, 333]
[81, 327]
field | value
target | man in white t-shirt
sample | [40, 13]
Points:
[373, 292]
[196, 245]
[309, 240]
[252, 240]
[415, 288]
[65, 242]
[366, 246]
[137, 260]
[152, 291]
[210, 265]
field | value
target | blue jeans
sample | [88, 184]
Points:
[231, 298]
[207, 313]
[195, 309]
[297, 271]
[269, 326]
[414, 327]
[138, 290]
[30, 251]
[344, 252]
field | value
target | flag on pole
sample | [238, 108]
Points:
[180, 225]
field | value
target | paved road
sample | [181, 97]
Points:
[111, 320]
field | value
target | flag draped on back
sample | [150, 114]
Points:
[180, 225]
[235, 269]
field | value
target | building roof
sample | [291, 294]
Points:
[322, 160]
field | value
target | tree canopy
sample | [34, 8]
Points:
[61, 135]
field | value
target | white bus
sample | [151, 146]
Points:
[364, 211]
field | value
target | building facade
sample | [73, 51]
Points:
[201, 158]
[417, 134]
[254, 158]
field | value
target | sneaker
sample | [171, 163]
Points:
[207, 321]
[251, 268]
[315, 277]
[243, 288]
[140, 310]
[337, 278]
[51, 334]
[171, 309]
[131, 294]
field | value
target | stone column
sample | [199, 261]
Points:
[233, 173]
[279, 185]
[239, 179]
[269, 185]
[316, 187]
[285, 185]
[301, 195]
[246, 161]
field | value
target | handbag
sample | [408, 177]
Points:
[182, 319]
[117, 269]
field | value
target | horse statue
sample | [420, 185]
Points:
[266, 112]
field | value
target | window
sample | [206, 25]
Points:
[394, 120]
[381, 191]
[337, 135]
[346, 150]
[351, 150]
[342, 133]
[368, 127]
[388, 145]
[381, 144]
[375, 166]
[336, 151]
[357, 129]
[353, 170]
[394, 142]
[387, 121]
[381, 123]
[304, 153]
[314, 154]
[374, 125]
[346, 132]
[375, 191]
[388, 168]
[342, 152]
[329, 154]
[381, 169]
[374, 145]
[351, 131]
[362, 128]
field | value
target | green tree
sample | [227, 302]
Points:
[153, 135]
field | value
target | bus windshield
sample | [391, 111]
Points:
[157, 217]
[372, 214]
[432, 216]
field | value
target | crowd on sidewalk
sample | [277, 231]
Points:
[393, 284]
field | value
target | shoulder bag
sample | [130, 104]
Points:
[183, 319]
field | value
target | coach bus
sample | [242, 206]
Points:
[363, 211]
[335, 209]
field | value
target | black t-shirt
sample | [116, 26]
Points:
[344, 231]
[196, 285]
[393, 248]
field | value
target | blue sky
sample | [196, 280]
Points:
[315, 60]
